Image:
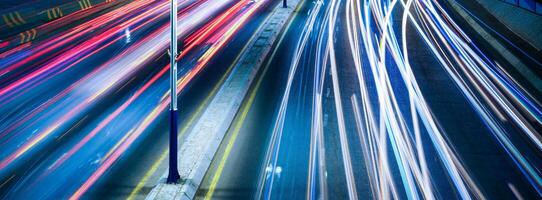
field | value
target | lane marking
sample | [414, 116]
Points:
[164, 154]
[244, 113]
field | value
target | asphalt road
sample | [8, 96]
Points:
[308, 130]
[84, 109]
[356, 101]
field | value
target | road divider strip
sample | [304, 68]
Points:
[202, 142]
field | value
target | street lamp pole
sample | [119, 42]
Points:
[173, 174]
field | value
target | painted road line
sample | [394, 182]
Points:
[200, 146]
[187, 125]
[238, 123]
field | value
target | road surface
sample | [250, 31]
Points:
[83, 109]
[357, 99]
[357, 104]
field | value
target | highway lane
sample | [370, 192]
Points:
[352, 105]
[267, 157]
[385, 105]
[248, 137]
[463, 131]
[134, 181]
[76, 103]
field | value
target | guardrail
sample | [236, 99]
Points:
[531, 5]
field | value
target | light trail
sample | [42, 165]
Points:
[90, 153]
[133, 59]
[399, 135]
[437, 24]
[266, 182]
[49, 95]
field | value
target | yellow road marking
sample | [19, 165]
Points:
[81, 5]
[237, 127]
[49, 14]
[231, 141]
[116, 146]
[164, 154]
[54, 13]
[22, 37]
[84, 4]
[28, 36]
[13, 19]
[242, 117]
[34, 33]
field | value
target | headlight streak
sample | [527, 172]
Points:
[345, 150]
[266, 183]
[217, 33]
[70, 36]
[132, 59]
[73, 53]
[490, 82]
[317, 164]
[502, 37]
[464, 60]
[384, 125]
[239, 20]
[381, 183]
[369, 23]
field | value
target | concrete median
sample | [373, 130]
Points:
[202, 142]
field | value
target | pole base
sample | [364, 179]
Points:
[173, 178]
[173, 174]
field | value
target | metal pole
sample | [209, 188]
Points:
[173, 175]
[284, 5]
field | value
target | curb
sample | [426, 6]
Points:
[203, 141]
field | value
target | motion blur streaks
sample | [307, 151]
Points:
[392, 99]
[75, 102]
[358, 99]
